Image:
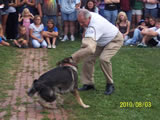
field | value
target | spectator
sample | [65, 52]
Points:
[30, 4]
[4, 15]
[60, 24]
[151, 36]
[35, 31]
[137, 12]
[26, 17]
[12, 22]
[48, 9]
[111, 10]
[68, 11]
[151, 22]
[137, 37]
[91, 6]
[21, 41]
[159, 9]
[83, 3]
[123, 24]
[126, 6]
[101, 6]
[2, 42]
[151, 8]
[50, 33]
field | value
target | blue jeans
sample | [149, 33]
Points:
[69, 17]
[111, 15]
[45, 18]
[129, 15]
[152, 12]
[101, 12]
[136, 38]
[37, 44]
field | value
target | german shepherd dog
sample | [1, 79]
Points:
[62, 79]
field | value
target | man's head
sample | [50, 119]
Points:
[84, 17]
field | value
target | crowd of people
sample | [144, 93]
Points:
[39, 23]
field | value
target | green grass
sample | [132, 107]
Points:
[8, 62]
[136, 75]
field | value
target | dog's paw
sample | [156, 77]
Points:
[46, 105]
[86, 106]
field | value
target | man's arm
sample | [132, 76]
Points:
[88, 47]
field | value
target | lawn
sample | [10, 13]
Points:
[136, 75]
[8, 61]
[137, 85]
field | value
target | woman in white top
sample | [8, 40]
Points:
[35, 31]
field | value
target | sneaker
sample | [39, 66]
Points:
[53, 46]
[65, 38]
[72, 38]
[49, 46]
[142, 45]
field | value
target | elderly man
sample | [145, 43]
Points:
[101, 39]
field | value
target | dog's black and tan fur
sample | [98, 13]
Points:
[61, 79]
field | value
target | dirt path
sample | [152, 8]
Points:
[33, 64]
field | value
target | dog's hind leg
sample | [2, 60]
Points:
[79, 100]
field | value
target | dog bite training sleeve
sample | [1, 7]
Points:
[88, 47]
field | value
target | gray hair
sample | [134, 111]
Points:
[84, 12]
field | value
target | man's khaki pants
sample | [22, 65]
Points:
[105, 54]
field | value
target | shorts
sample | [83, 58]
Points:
[136, 12]
[69, 17]
[9, 10]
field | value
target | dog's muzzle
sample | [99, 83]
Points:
[31, 91]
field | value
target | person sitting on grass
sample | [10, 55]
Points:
[137, 37]
[21, 40]
[36, 29]
[50, 32]
[151, 36]
[2, 42]
[123, 24]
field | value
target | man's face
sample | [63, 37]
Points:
[83, 21]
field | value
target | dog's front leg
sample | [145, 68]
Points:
[45, 104]
[59, 99]
[79, 100]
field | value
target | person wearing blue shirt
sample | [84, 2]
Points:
[50, 32]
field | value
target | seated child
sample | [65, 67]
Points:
[2, 42]
[36, 29]
[21, 40]
[50, 32]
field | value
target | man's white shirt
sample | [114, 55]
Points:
[101, 30]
